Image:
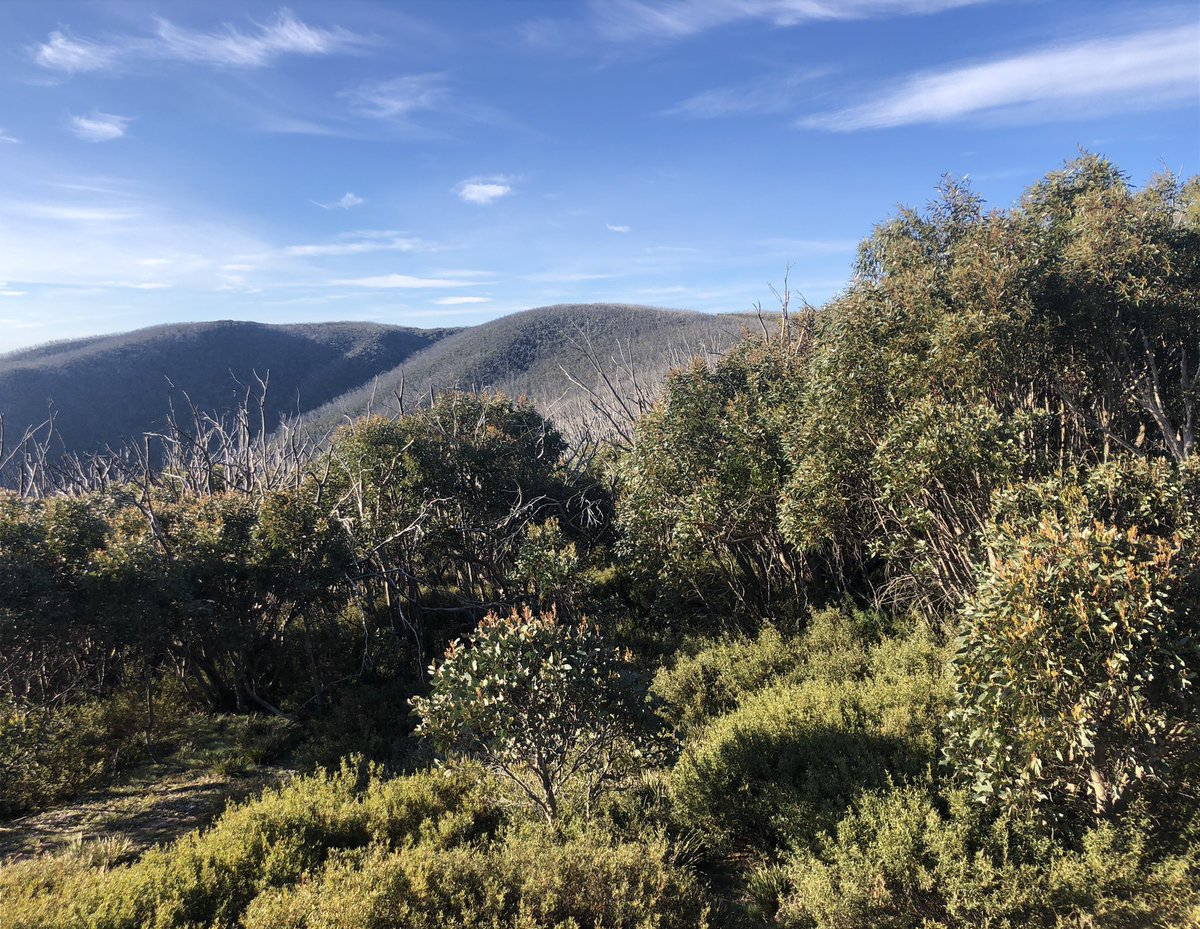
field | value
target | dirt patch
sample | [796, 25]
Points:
[154, 805]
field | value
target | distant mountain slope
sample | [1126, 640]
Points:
[107, 389]
[526, 354]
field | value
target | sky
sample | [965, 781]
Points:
[443, 163]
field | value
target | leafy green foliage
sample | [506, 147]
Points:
[547, 705]
[981, 348]
[1076, 667]
[547, 566]
[700, 488]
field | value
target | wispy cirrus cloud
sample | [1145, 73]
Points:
[76, 213]
[569, 277]
[345, 202]
[99, 127]
[136, 285]
[359, 243]
[116, 239]
[5, 138]
[285, 35]
[402, 282]
[623, 20]
[461, 301]
[767, 96]
[399, 98]
[63, 52]
[620, 229]
[229, 46]
[1133, 71]
[483, 191]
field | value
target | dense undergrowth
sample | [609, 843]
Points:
[888, 618]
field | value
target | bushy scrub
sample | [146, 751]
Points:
[712, 681]
[534, 880]
[50, 754]
[791, 758]
[700, 488]
[902, 859]
[351, 849]
[208, 878]
[547, 567]
[712, 676]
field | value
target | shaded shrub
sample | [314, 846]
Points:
[713, 676]
[790, 758]
[715, 679]
[51, 754]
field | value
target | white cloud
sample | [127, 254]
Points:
[483, 190]
[226, 47]
[662, 291]
[346, 201]
[1141, 70]
[6, 138]
[111, 236]
[772, 95]
[460, 301]
[6, 291]
[401, 282]
[621, 229]
[286, 35]
[399, 97]
[61, 52]
[72, 213]
[99, 127]
[359, 244]
[137, 285]
[623, 20]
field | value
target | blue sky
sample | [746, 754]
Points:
[442, 163]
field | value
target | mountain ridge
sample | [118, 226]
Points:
[106, 390]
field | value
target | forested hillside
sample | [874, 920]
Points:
[559, 357]
[109, 390]
[889, 616]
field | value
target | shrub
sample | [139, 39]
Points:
[51, 754]
[1076, 668]
[535, 880]
[701, 484]
[548, 706]
[717, 674]
[547, 566]
[897, 861]
[209, 878]
[791, 758]
[713, 681]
